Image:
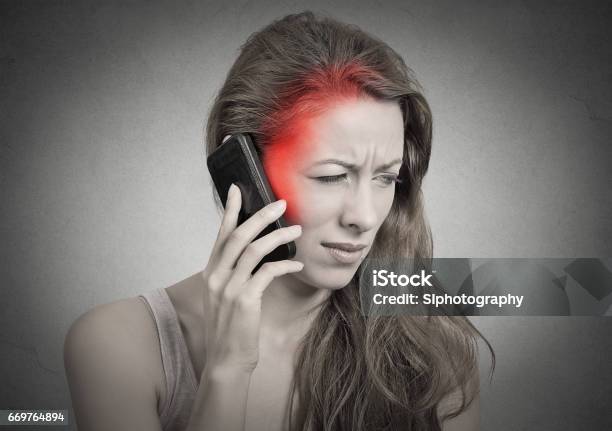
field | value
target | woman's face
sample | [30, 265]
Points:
[339, 182]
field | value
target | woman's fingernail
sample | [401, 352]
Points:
[296, 229]
[230, 193]
[279, 206]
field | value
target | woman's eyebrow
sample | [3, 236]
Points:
[342, 163]
[353, 167]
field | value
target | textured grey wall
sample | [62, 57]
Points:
[105, 192]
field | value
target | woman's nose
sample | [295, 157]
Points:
[359, 209]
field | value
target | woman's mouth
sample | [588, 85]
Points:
[345, 253]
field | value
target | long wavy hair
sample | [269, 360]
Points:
[355, 372]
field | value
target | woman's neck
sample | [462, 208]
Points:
[289, 306]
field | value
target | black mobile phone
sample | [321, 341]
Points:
[236, 161]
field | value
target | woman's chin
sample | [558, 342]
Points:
[325, 278]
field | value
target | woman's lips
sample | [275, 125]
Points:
[345, 253]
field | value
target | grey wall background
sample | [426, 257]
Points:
[105, 192]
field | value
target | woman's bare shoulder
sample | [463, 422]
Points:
[118, 321]
[112, 358]
[125, 326]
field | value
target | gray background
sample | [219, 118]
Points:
[105, 192]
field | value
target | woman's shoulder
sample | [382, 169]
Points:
[106, 315]
[115, 323]
[117, 341]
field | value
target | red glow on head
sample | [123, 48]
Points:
[288, 130]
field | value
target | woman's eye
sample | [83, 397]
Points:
[387, 180]
[332, 178]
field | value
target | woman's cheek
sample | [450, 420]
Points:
[318, 203]
[284, 157]
[386, 203]
[281, 173]
[287, 189]
[307, 205]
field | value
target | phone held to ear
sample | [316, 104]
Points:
[236, 161]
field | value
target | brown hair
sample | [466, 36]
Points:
[355, 372]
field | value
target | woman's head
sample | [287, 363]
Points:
[309, 90]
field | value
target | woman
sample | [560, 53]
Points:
[345, 139]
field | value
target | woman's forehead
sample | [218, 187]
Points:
[356, 129]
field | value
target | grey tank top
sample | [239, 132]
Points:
[181, 382]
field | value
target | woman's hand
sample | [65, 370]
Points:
[232, 296]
